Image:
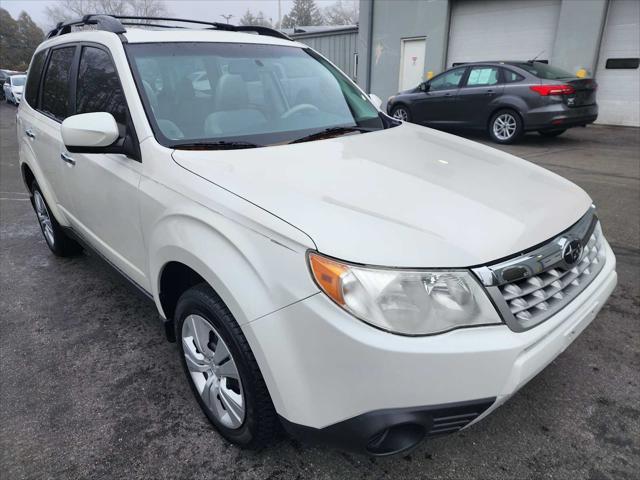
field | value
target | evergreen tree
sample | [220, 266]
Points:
[303, 13]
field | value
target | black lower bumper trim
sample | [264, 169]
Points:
[391, 431]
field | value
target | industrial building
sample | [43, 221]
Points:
[403, 42]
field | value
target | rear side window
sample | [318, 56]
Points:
[480, 76]
[33, 80]
[98, 88]
[55, 89]
[510, 76]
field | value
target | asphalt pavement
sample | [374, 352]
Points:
[89, 388]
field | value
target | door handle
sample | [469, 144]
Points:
[489, 92]
[29, 133]
[66, 158]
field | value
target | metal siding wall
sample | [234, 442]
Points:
[339, 48]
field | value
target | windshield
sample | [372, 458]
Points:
[253, 95]
[547, 72]
[18, 80]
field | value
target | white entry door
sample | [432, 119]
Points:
[412, 62]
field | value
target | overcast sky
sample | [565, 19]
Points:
[200, 9]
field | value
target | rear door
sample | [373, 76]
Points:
[54, 106]
[482, 86]
[104, 186]
[437, 106]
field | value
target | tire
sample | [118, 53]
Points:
[552, 133]
[57, 241]
[239, 405]
[505, 126]
[401, 112]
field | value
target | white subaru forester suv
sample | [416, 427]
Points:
[322, 266]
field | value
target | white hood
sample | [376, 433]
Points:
[406, 196]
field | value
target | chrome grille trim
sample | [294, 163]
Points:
[530, 288]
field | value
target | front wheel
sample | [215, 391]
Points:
[222, 370]
[552, 133]
[401, 112]
[505, 126]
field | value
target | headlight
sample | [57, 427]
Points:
[409, 302]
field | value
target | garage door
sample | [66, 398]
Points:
[617, 74]
[500, 30]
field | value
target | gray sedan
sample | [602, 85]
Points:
[504, 98]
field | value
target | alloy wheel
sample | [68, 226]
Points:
[44, 218]
[214, 371]
[504, 126]
[401, 114]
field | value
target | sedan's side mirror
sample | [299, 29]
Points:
[88, 131]
[424, 87]
[375, 100]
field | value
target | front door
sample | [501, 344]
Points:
[438, 104]
[104, 187]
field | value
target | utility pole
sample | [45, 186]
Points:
[280, 14]
[227, 17]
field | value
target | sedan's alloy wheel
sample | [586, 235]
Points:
[401, 114]
[43, 218]
[214, 371]
[504, 126]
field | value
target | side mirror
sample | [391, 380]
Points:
[424, 87]
[85, 132]
[375, 100]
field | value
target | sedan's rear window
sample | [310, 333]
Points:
[544, 71]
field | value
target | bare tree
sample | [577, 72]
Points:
[342, 12]
[64, 10]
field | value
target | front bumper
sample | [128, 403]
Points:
[328, 372]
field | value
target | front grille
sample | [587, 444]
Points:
[533, 300]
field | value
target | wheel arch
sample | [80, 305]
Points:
[251, 274]
[506, 106]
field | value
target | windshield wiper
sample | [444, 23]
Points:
[220, 145]
[332, 131]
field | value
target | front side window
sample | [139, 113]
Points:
[55, 87]
[33, 80]
[260, 94]
[447, 80]
[98, 87]
[482, 76]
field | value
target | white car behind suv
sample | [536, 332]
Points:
[324, 267]
[12, 87]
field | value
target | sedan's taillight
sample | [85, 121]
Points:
[546, 90]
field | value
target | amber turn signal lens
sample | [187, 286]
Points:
[328, 276]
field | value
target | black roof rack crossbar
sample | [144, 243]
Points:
[112, 23]
[103, 22]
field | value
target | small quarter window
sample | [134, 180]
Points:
[55, 90]
[622, 63]
[33, 80]
[511, 77]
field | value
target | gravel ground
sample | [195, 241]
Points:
[90, 388]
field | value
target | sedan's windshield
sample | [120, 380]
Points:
[18, 80]
[244, 95]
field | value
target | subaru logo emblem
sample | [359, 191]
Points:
[572, 252]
